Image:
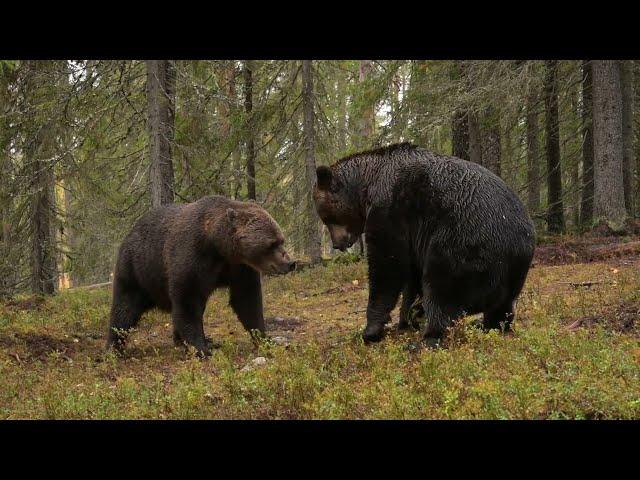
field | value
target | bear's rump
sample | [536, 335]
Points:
[152, 280]
[473, 279]
[473, 291]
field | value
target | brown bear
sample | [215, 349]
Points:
[177, 255]
[436, 227]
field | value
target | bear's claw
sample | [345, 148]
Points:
[373, 333]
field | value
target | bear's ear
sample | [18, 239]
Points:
[232, 215]
[324, 177]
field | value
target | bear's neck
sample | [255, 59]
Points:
[370, 180]
[219, 234]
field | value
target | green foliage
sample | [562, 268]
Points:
[94, 116]
[346, 258]
[52, 362]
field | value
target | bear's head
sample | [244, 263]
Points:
[258, 240]
[338, 209]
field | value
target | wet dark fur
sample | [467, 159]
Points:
[436, 226]
[177, 255]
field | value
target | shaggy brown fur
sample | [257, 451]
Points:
[177, 255]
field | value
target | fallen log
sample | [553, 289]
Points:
[614, 250]
[574, 252]
[91, 287]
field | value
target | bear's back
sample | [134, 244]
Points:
[141, 256]
[465, 202]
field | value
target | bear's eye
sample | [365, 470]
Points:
[273, 246]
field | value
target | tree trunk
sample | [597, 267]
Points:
[608, 144]
[491, 152]
[227, 81]
[6, 271]
[236, 160]
[396, 130]
[628, 159]
[161, 91]
[555, 214]
[533, 154]
[574, 165]
[586, 207]
[5, 197]
[313, 230]
[43, 256]
[69, 235]
[508, 158]
[460, 135]
[341, 128]
[475, 138]
[460, 122]
[247, 73]
[38, 150]
[636, 87]
[367, 122]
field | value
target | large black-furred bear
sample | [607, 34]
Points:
[176, 255]
[436, 226]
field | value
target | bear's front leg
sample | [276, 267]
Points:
[245, 297]
[386, 279]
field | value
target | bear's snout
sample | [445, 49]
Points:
[280, 267]
[289, 266]
[341, 238]
[344, 242]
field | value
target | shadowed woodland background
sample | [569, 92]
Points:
[86, 147]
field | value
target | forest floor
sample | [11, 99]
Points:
[575, 352]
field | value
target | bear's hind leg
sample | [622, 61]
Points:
[178, 341]
[409, 295]
[126, 310]
[188, 327]
[438, 319]
[499, 318]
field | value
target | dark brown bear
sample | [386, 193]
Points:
[177, 255]
[437, 227]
